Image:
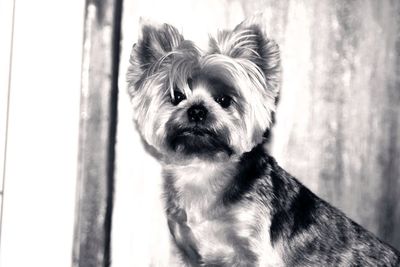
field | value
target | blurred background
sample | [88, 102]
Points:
[71, 157]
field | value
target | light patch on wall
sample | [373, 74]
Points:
[41, 160]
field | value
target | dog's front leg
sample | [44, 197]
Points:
[184, 238]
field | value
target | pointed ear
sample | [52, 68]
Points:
[155, 41]
[249, 41]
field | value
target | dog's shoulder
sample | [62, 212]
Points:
[305, 229]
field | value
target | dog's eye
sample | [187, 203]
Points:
[223, 100]
[178, 97]
[190, 83]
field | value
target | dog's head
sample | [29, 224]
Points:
[193, 103]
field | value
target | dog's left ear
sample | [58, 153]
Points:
[249, 41]
[155, 41]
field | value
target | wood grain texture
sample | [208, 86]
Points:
[340, 133]
[97, 133]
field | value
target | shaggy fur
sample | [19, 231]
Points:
[204, 114]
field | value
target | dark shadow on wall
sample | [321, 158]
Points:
[100, 67]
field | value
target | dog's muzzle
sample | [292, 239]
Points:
[197, 140]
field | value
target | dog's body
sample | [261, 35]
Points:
[262, 216]
[205, 115]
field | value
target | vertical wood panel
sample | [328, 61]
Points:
[97, 133]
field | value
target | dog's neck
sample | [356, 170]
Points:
[199, 185]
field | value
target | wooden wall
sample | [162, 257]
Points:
[338, 120]
[97, 133]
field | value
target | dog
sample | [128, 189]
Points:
[206, 115]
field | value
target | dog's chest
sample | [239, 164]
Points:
[200, 188]
[225, 234]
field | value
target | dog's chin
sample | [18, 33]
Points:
[199, 142]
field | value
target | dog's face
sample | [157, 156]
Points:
[189, 102]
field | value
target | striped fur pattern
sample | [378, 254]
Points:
[204, 115]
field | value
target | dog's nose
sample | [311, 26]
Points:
[197, 113]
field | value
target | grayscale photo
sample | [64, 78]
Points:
[213, 133]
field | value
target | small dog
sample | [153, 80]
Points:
[206, 115]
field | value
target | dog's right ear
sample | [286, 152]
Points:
[155, 41]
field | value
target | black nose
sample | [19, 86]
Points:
[197, 113]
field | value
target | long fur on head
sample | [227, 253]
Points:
[243, 59]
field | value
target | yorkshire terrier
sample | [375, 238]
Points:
[206, 115]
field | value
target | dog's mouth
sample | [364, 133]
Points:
[195, 131]
[197, 140]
